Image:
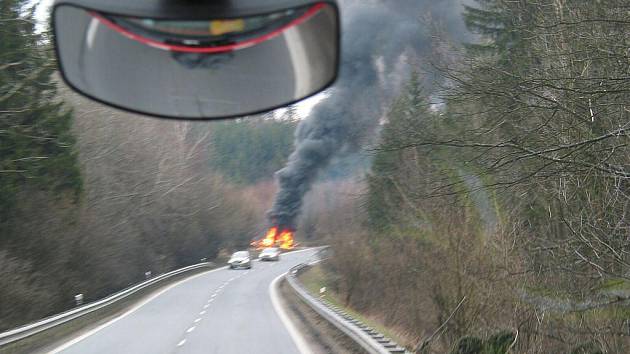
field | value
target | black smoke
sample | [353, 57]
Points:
[377, 37]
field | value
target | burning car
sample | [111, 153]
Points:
[270, 254]
[275, 237]
[240, 259]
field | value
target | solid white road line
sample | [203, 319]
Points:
[298, 339]
[76, 340]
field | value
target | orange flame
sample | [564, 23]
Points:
[274, 238]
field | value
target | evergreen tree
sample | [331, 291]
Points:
[36, 144]
[500, 24]
[248, 151]
[407, 119]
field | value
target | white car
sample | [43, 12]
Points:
[270, 254]
[240, 259]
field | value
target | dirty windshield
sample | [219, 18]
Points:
[462, 187]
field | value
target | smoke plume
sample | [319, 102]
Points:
[376, 39]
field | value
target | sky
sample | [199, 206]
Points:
[42, 11]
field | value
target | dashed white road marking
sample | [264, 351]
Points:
[181, 343]
[135, 308]
[190, 329]
[213, 295]
[197, 320]
[76, 340]
[205, 306]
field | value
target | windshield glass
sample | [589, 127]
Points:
[462, 187]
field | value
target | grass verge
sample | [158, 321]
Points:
[316, 278]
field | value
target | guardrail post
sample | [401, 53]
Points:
[14, 336]
[78, 299]
[369, 339]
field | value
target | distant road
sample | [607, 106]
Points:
[220, 311]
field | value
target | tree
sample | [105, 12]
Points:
[536, 119]
[36, 144]
[40, 180]
[251, 150]
[408, 116]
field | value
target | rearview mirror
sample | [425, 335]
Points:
[195, 59]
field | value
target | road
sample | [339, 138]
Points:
[219, 311]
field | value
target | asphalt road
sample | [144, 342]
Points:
[219, 311]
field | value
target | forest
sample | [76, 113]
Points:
[497, 208]
[491, 215]
[92, 198]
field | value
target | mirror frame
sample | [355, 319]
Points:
[193, 10]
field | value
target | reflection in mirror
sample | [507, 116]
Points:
[198, 69]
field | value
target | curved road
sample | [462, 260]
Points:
[219, 311]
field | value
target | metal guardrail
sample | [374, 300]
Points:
[19, 333]
[368, 338]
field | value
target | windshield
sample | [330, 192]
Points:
[403, 176]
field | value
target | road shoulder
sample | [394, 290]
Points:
[320, 336]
